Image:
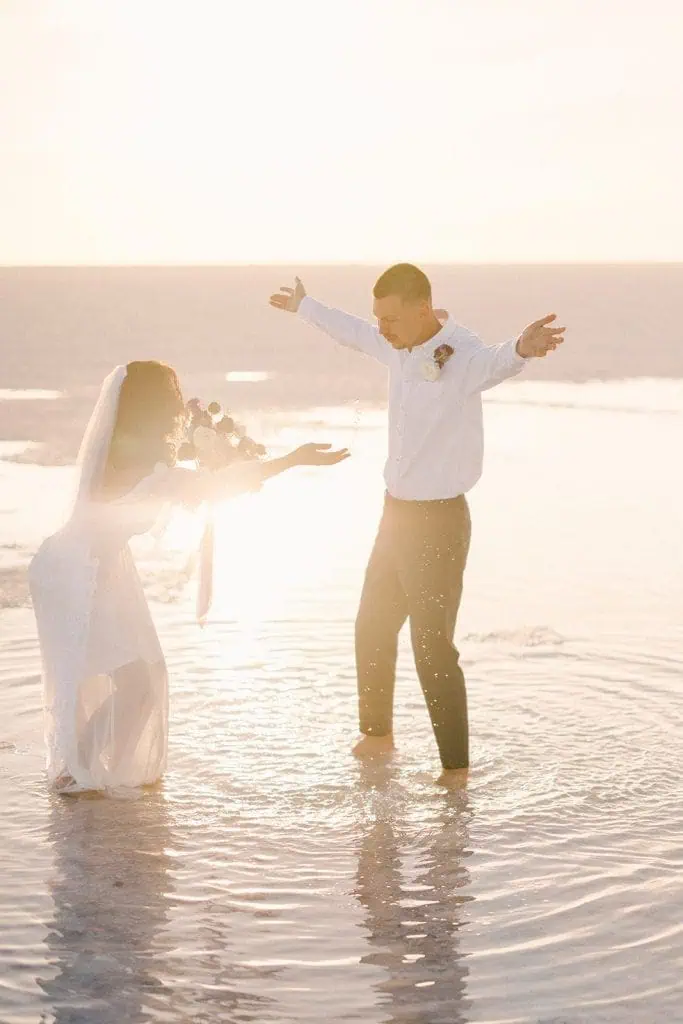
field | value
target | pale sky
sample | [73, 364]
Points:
[203, 131]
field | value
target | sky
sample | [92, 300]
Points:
[365, 131]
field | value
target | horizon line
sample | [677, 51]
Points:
[338, 263]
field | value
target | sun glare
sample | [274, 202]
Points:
[266, 544]
[198, 132]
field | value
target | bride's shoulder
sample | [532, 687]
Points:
[169, 483]
[153, 484]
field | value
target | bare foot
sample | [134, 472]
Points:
[453, 778]
[64, 783]
[373, 746]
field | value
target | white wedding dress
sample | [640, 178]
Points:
[105, 680]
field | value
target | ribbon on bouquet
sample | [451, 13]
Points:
[205, 583]
[213, 441]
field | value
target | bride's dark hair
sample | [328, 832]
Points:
[148, 426]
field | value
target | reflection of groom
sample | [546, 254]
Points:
[437, 372]
[413, 885]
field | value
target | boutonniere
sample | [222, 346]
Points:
[432, 367]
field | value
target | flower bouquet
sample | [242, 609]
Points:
[213, 440]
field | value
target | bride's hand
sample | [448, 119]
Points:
[319, 455]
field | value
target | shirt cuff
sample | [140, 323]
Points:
[516, 358]
[307, 309]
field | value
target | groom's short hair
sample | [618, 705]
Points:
[405, 280]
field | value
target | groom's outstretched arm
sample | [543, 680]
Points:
[351, 331]
[490, 365]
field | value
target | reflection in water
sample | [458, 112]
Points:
[110, 889]
[411, 881]
[126, 946]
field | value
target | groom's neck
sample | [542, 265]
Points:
[431, 328]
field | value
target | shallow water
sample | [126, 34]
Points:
[270, 877]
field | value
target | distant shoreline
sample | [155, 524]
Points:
[63, 328]
[341, 263]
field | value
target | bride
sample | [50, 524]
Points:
[106, 688]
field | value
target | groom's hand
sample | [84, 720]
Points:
[539, 338]
[289, 299]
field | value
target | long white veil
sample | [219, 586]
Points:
[92, 460]
[94, 449]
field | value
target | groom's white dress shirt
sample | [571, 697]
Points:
[436, 437]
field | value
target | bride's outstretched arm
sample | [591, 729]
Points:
[306, 455]
[193, 487]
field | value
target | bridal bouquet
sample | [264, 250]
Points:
[214, 440]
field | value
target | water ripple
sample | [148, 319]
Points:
[248, 887]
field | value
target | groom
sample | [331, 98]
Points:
[437, 372]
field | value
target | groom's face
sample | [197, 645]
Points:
[400, 321]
